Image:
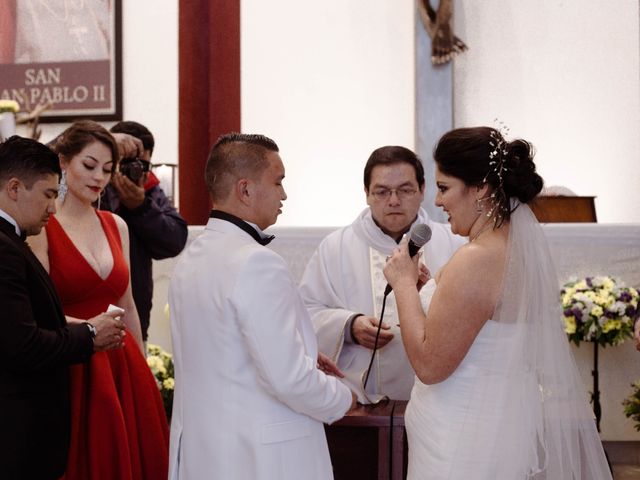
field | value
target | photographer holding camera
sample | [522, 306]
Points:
[156, 229]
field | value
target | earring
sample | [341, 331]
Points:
[478, 205]
[62, 186]
[492, 199]
[100, 198]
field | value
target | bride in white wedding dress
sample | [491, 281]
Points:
[497, 394]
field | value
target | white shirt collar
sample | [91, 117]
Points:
[366, 228]
[10, 219]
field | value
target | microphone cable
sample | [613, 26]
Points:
[419, 235]
[375, 343]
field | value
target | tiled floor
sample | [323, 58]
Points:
[626, 472]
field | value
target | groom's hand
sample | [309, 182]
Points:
[328, 366]
[364, 331]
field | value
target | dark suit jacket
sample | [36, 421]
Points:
[36, 348]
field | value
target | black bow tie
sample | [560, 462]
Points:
[243, 225]
[23, 235]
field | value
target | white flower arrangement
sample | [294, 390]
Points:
[599, 309]
[9, 106]
[161, 364]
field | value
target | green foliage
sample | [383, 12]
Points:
[632, 404]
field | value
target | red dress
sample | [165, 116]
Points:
[118, 426]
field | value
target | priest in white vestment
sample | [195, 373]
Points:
[343, 284]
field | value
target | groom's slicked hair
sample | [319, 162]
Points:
[235, 156]
[27, 160]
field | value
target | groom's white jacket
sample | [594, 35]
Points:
[249, 400]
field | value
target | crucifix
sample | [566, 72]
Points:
[436, 45]
[444, 44]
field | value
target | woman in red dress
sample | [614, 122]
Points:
[118, 428]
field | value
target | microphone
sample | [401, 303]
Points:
[419, 235]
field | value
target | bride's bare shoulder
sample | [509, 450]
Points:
[476, 262]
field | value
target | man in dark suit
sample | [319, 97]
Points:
[36, 343]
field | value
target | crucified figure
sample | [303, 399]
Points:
[444, 44]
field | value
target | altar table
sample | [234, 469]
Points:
[369, 443]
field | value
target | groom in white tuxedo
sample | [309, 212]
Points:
[250, 400]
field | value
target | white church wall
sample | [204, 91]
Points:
[563, 74]
[329, 84]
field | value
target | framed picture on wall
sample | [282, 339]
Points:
[66, 53]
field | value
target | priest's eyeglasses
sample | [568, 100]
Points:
[385, 193]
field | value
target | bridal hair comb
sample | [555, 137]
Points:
[498, 152]
[497, 158]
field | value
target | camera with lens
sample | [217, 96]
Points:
[134, 168]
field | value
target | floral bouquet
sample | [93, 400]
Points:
[161, 365]
[632, 404]
[598, 309]
[9, 106]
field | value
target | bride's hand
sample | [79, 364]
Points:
[400, 268]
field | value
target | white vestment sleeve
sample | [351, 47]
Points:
[273, 320]
[329, 316]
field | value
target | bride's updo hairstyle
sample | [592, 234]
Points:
[80, 134]
[481, 155]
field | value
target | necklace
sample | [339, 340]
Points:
[482, 230]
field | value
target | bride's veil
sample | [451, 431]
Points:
[546, 428]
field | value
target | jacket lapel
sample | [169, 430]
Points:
[7, 230]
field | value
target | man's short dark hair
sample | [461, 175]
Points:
[391, 155]
[27, 160]
[137, 130]
[235, 156]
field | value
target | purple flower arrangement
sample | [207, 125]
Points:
[599, 309]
